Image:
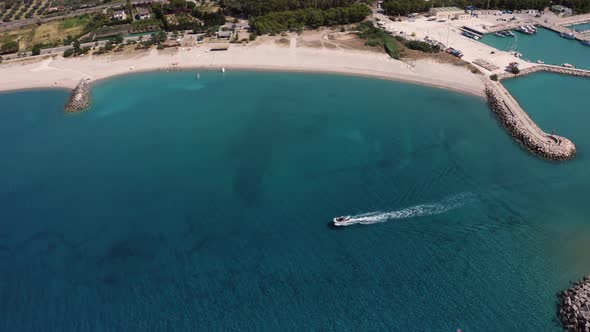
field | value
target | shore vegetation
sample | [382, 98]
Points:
[313, 18]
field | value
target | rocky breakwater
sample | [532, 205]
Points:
[79, 98]
[574, 306]
[523, 129]
[547, 68]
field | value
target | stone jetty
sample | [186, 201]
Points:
[547, 68]
[523, 129]
[574, 306]
[79, 98]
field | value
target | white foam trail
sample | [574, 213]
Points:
[421, 210]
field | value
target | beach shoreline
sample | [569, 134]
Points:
[58, 72]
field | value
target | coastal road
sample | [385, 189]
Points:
[37, 20]
[59, 50]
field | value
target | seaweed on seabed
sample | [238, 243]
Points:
[139, 248]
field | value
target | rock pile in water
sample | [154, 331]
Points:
[545, 145]
[79, 98]
[574, 306]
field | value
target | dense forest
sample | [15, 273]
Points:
[247, 8]
[295, 20]
[404, 7]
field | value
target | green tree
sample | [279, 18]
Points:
[36, 50]
[9, 47]
[117, 39]
[76, 45]
[68, 53]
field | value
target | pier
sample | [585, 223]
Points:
[574, 306]
[79, 98]
[523, 128]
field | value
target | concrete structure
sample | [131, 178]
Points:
[449, 13]
[119, 15]
[563, 10]
[143, 14]
[224, 34]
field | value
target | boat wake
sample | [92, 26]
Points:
[422, 210]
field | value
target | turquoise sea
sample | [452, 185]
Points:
[182, 204]
[545, 45]
[580, 27]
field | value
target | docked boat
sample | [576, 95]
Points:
[585, 42]
[567, 35]
[510, 34]
[541, 62]
[532, 28]
[524, 30]
[498, 34]
[470, 35]
[338, 221]
[567, 65]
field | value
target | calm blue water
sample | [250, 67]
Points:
[545, 45]
[186, 204]
[580, 27]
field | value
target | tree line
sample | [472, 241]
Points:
[296, 20]
[248, 8]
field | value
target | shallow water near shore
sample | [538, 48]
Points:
[204, 205]
[545, 45]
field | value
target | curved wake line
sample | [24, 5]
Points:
[422, 210]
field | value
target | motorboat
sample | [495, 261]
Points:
[525, 30]
[339, 220]
[567, 35]
[540, 62]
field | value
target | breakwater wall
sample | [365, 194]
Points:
[79, 98]
[574, 306]
[547, 68]
[523, 129]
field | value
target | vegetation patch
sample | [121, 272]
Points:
[376, 37]
[313, 18]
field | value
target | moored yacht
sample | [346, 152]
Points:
[567, 35]
[524, 29]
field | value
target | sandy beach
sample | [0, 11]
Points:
[56, 71]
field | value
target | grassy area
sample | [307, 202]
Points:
[47, 33]
[75, 22]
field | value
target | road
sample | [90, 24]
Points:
[35, 20]
[59, 50]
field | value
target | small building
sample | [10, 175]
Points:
[563, 10]
[119, 15]
[143, 14]
[449, 13]
[225, 34]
